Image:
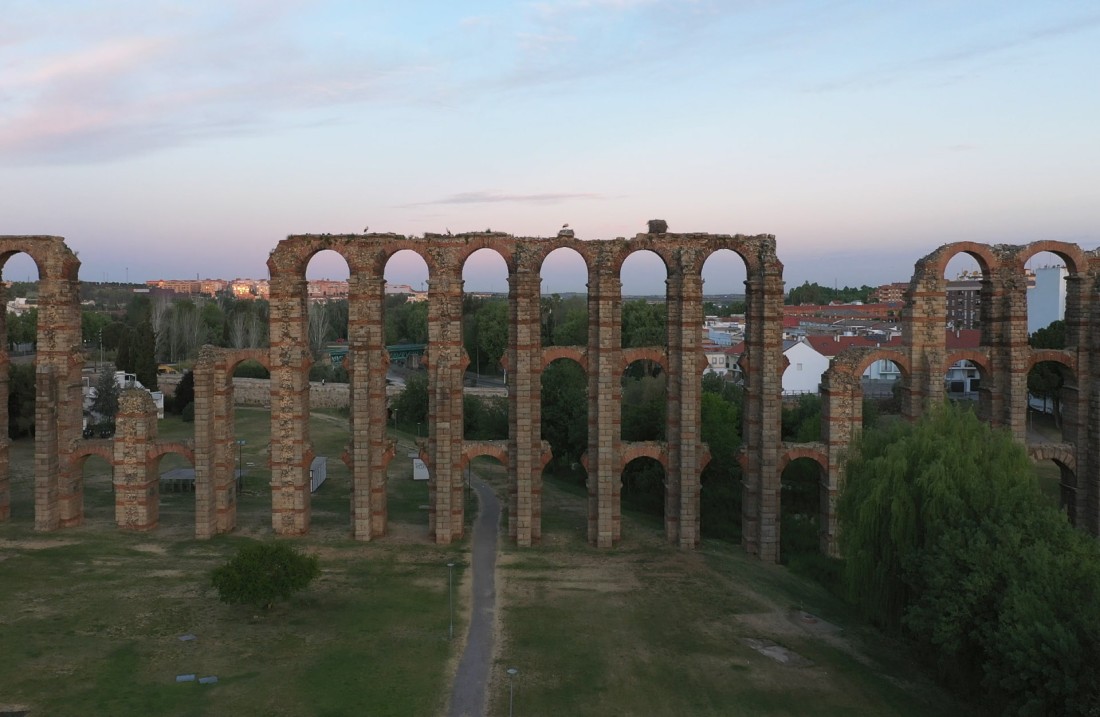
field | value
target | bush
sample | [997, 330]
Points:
[188, 414]
[262, 573]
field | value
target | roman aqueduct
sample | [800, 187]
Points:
[1004, 359]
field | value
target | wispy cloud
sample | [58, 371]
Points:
[490, 197]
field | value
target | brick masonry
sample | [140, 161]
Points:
[1004, 359]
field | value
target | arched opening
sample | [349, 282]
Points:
[1046, 273]
[644, 300]
[250, 433]
[720, 482]
[407, 492]
[485, 338]
[18, 340]
[564, 299]
[565, 428]
[1051, 402]
[97, 477]
[176, 488]
[328, 322]
[800, 509]
[644, 401]
[965, 304]
[723, 276]
[883, 382]
[406, 328]
[801, 419]
[643, 488]
[329, 429]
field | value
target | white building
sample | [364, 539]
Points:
[806, 365]
[1046, 301]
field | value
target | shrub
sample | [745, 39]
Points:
[188, 414]
[261, 573]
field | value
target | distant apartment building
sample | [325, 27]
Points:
[1046, 297]
[327, 290]
[964, 302]
[250, 289]
[889, 293]
[188, 287]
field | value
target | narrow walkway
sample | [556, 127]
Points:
[468, 693]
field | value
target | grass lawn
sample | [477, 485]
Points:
[90, 618]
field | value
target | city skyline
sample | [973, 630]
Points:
[153, 137]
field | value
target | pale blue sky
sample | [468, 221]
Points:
[169, 139]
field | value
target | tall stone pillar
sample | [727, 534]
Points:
[447, 362]
[371, 449]
[922, 331]
[1008, 347]
[604, 406]
[685, 332]
[206, 427]
[290, 442]
[842, 420]
[46, 509]
[135, 477]
[525, 405]
[763, 406]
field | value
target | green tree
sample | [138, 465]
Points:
[565, 411]
[720, 489]
[107, 392]
[23, 328]
[412, 404]
[184, 394]
[643, 324]
[261, 573]
[948, 540]
[21, 400]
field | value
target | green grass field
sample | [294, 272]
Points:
[90, 618]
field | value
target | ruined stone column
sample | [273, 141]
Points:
[685, 332]
[604, 405]
[1009, 352]
[447, 362]
[763, 406]
[47, 514]
[368, 361]
[841, 423]
[923, 338]
[206, 427]
[524, 405]
[136, 483]
[290, 442]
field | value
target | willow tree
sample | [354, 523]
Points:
[948, 540]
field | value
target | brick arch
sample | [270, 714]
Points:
[662, 245]
[632, 451]
[1075, 258]
[50, 254]
[542, 251]
[758, 253]
[387, 250]
[978, 358]
[657, 356]
[738, 249]
[104, 448]
[163, 448]
[493, 449]
[1061, 453]
[502, 244]
[235, 357]
[1063, 358]
[292, 255]
[577, 354]
[936, 262]
[854, 361]
[814, 454]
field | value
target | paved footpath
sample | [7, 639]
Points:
[468, 693]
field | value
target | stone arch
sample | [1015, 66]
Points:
[657, 450]
[1065, 359]
[737, 244]
[388, 250]
[816, 453]
[854, 361]
[653, 355]
[292, 255]
[163, 448]
[935, 263]
[976, 357]
[493, 449]
[104, 448]
[50, 254]
[623, 250]
[1064, 454]
[502, 244]
[1073, 255]
[578, 355]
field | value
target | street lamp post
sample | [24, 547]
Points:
[451, 600]
[240, 463]
[512, 672]
[101, 347]
[395, 420]
[418, 429]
